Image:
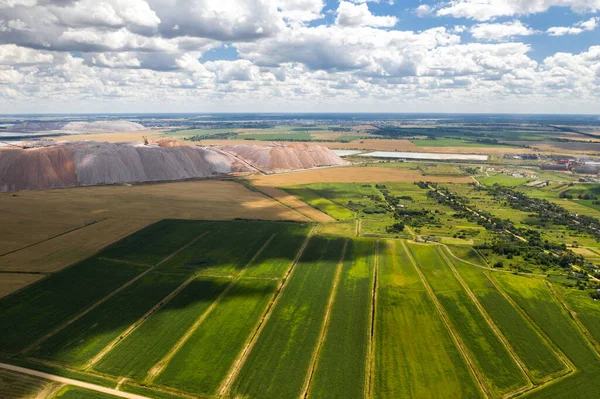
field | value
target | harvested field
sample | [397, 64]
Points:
[296, 204]
[61, 251]
[14, 385]
[11, 282]
[54, 212]
[367, 174]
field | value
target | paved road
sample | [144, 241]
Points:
[69, 381]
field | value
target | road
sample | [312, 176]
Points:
[72, 382]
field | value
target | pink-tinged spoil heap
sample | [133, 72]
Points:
[71, 164]
[276, 157]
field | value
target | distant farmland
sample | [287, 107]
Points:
[259, 309]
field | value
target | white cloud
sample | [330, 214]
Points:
[487, 31]
[15, 55]
[485, 10]
[424, 10]
[349, 14]
[579, 27]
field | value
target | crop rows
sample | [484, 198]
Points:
[223, 309]
[277, 365]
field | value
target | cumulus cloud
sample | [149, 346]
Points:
[424, 10]
[349, 14]
[84, 53]
[579, 27]
[499, 31]
[485, 10]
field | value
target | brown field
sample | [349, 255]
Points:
[115, 137]
[10, 282]
[33, 216]
[363, 174]
[296, 204]
[15, 385]
[388, 145]
[59, 252]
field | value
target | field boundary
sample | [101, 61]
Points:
[370, 363]
[233, 372]
[162, 364]
[453, 333]
[325, 326]
[493, 326]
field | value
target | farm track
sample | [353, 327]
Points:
[162, 364]
[138, 323]
[370, 363]
[104, 299]
[241, 359]
[569, 366]
[454, 334]
[493, 326]
[72, 382]
[322, 334]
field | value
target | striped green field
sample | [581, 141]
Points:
[277, 365]
[492, 359]
[532, 349]
[341, 367]
[414, 353]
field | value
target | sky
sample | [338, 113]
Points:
[453, 56]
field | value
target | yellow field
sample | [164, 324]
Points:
[296, 204]
[10, 282]
[59, 252]
[33, 216]
[367, 174]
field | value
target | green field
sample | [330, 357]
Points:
[315, 200]
[279, 360]
[223, 310]
[82, 340]
[537, 356]
[203, 362]
[414, 353]
[341, 368]
[485, 348]
[44, 306]
[161, 331]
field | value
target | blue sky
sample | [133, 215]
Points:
[300, 55]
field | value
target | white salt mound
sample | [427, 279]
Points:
[86, 163]
[286, 157]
